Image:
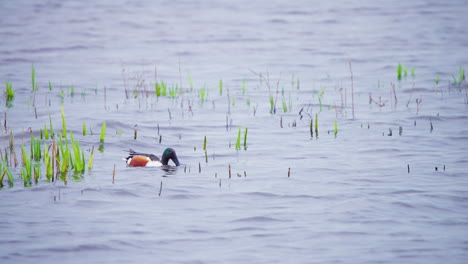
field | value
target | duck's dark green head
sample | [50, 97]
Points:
[169, 154]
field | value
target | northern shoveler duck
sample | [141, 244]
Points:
[136, 159]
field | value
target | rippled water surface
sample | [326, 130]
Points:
[390, 187]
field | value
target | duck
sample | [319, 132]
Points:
[136, 159]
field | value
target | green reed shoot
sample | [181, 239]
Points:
[437, 79]
[413, 72]
[78, 160]
[103, 132]
[244, 86]
[204, 143]
[285, 106]
[10, 94]
[50, 86]
[461, 75]
[247, 101]
[220, 87]
[455, 81]
[335, 127]
[238, 139]
[405, 71]
[33, 78]
[37, 171]
[51, 127]
[316, 125]
[90, 161]
[161, 89]
[233, 101]
[245, 138]
[46, 133]
[399, 71]
[48, 163]
[64, 123]
[36, 152]
[173, 91]
[62, 95]
[63, 155]
[272, 104]
[203, 93]
[84, 128]
[157, 89]
[26, 172]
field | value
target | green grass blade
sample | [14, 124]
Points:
[245, 138]
[90, 161]
[238, 139]
[64, 123]
[103, 132]
[220, 87]
[316, 125]
[336, 128]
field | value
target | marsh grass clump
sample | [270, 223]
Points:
[5, 170]
[461, 76]
[26, 171]
[160, 89]
[36, 152]
[78, 161]
[174, 91]
[9, 94]
[49, 163]
[399, 71]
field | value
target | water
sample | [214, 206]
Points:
[348, 199]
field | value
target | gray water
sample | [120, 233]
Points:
[362, 196]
